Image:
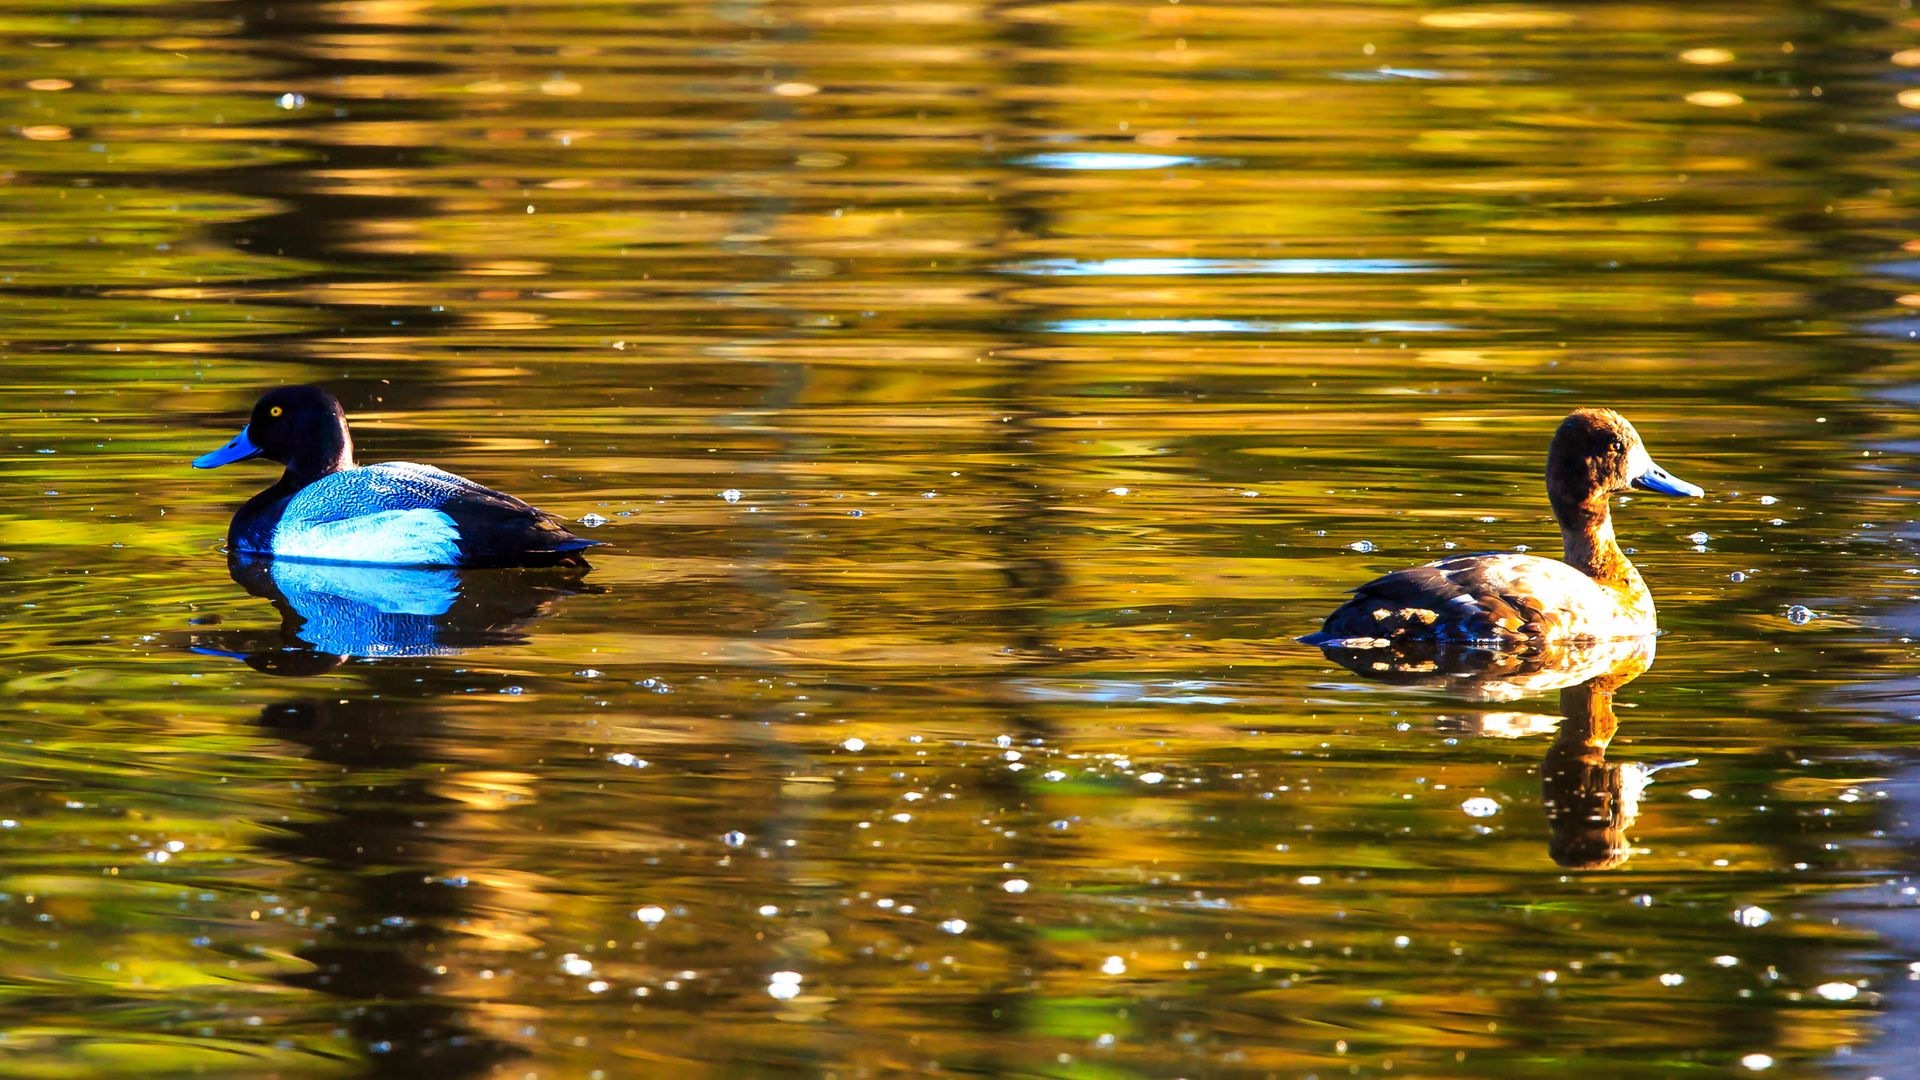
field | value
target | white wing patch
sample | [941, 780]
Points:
[388, 538]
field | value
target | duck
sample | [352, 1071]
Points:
[325, 508]
[1505, 599]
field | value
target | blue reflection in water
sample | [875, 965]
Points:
[1213, 267]
[1243, 326]
[330, 611]
[1388, 74]
[1083, 160]
[364, 610]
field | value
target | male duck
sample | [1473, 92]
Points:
[1596, 594]
[327, 509]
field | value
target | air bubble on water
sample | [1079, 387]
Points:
[769, 910]
[1053, 776]
[1698, 538]
[1119, 491]
[1643, 900]
[1361, 546]
[629, 760]
[1757, 1062]
[954, 926]
[855, 744]
[576, 965]
[1672, 978]
[652, 914]
[1480, 806]
[588, 673]
[1152, 777]
[594, 521]
[291, 100]
[1800, 615]
[1768, 500]
[734, 838]
[1837, 991]
[1114, 965]
[1309, 879]
[1723, 960]
[732, 495]
[1014, 885]
[784, 984]
[1402, 941]
[1736, 577]
[1699, 793]
[1752, 916]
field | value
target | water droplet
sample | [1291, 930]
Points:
[593, 521]
[1757, 1062]
[291, 100]
[855, 744]
[1752, 916]
[1672, 978]
[1837, 991]
[1361, 546]
[1152, 777]
[954, 926]
[1014, 885]
[576, 965]
[651, 914]
[732, 495]
[1800, 616]
[630, 761]
[1480, 806]
[1114, 965]
[733, 839]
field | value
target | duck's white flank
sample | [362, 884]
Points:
[419, 537]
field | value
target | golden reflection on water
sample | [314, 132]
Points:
[1069, 359]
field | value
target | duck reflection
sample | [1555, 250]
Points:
[330, 612]
[1590, 802]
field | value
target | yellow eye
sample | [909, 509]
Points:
[275, 411]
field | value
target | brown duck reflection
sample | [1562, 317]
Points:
[1590, 802]
[330, 613]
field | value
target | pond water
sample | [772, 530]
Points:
[975, 401]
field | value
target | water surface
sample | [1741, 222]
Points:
[1067, 360]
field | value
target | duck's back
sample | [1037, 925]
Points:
[403, 514]
[1498, 597]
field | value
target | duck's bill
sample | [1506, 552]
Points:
[240, 449]
[1660, 480]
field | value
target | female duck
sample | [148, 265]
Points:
[325, 508]
[1595, 594]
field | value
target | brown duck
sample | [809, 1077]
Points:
[1595, 594]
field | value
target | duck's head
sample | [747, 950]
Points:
[301, 427]
[1596, 454]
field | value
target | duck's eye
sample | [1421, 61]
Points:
[275, 411]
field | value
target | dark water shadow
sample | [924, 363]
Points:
[1590, 802]
[383, 846]
[330, 613]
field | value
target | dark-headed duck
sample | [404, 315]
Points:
[1594, 594]
[327, 509]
